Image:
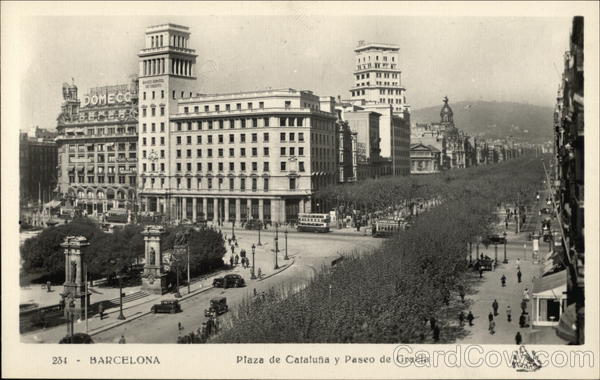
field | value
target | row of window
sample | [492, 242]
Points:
[377, 75]
[376, 65]
[292, 183]
[109, 169]
[238, 107]
[385, 58]
[236, 123]
[100, 158]
[100, 147]
[100, 179]
[111, 131]
[220, 166]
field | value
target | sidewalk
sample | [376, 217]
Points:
[264, 259]
[489, 288]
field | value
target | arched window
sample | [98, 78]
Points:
[90, 194]
[101, 194]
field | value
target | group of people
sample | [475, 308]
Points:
[201, 335]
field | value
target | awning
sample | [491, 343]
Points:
[52, 204]
[551, 286]
[90, 170]
[71, 169]
[81, 170]
[567, 326]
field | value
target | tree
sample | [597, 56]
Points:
[44, 253]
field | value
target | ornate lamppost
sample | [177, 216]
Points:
[286, 251]
[505, 259]
[259, 228]
[276, 249]
[253, 275]
[120, 277]
[495, 253]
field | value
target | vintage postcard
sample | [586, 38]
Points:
[299, 189]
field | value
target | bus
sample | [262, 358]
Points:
[388, 227]
[313, 222]
[117, 215]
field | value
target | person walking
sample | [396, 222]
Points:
[508, 313]
[522, 320]
[503, 280]
[526, 295]
[519, 274]
[461, 319]
[490, 316]
[518, 263]
[492, 327]
[436, 334]
[470, 318]
[101, 311]
[495, 307]
[432, 323]
[122, 340]
[523, 306]
[461, 293]
[518, 338]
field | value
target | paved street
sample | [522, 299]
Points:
[307, 251]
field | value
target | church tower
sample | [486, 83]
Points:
[166, 75]
[446, 114]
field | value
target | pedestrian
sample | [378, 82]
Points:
[237, 259]
[470, 318]
[231, 260]
[255, 292]
[522, 320]
[461, 318]
[461, 293]
[490, 316]
[519, 274]
[495, 307]
[432, 323]
[101, 311]
[508, 313]
[518, 338]
[48, 286]
[518, 263]
[436, 334]
[480, 272]
[122, 340]
[492, 327]
[259, 273]
[179, 326]
[523, 305]
[503, 280]
[526, 294]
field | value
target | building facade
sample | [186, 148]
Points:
[97, 148]
[38, 159]
[568, 182]
[424, 159]
[378, 88]
[378, 78]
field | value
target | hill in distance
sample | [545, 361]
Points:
[524, 122]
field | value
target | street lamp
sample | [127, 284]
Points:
[177, 294]
[233, 229]
[286, 252]
[259, 228]
[276, 250]
[118, 273]
[253, 275]
[505, 259]
[496, 253]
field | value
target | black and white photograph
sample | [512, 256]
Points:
[300, 189]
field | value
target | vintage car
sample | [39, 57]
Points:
[217, 306]
[168, 306]
[229, 281]
[496, 239]
[484, 263]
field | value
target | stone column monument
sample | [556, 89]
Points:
[74, 286]
[154, 280]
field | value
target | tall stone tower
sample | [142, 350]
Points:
[166, 74]
[377, 77]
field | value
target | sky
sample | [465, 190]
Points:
[515, 59]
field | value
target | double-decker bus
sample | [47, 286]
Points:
[313, 222]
